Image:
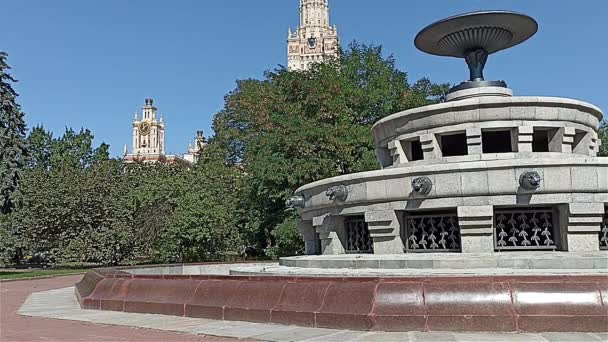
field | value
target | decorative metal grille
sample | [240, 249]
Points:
[525, 229]
[604, 232]
[432, 232]
[358, 239]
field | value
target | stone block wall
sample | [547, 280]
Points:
[572, 126]
[574, 227]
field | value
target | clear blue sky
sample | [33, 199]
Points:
[91, 63]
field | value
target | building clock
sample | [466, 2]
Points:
[144, 128]
[312, 42]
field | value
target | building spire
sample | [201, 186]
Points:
[314, 13]
[148, 135]
[314, 41]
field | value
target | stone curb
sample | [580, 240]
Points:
[62, 304]
[503, 303]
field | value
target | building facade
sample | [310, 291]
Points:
[196, 150]
[149, 139]
[315, 40]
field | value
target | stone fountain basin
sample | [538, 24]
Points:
[435, 265]
[416, 303]
[559, 262]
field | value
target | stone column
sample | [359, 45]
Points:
[397, 152]
[564, 138]
[476, 228]
[331, 232]
[384, 157]
[595, 144]
[430, 146]
[588, 144]
[385, 229]
[525, 135]
[474, 141]
[311, 238]
[584, 222]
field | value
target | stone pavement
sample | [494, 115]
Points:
[14, 327]
[61, 304]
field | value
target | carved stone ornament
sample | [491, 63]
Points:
[530, 180]
[295, 202]
[422, 185]
[338, 192]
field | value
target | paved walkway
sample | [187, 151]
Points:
[61, 304]
[14, 327]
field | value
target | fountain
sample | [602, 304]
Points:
[489, 214]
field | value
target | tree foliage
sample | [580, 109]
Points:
[205, 222]
[80, 206]
[293, 128]
[273, 135]
[72, 149]
[74, 215]
[12, 139]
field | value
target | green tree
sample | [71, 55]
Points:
[65, 193]
[287, 239]
[40, 143]
[12, 144]
[75, 215]
[72, 149]
[603, 136]
[292, 128]
[153, 191]
[76, 150]
[204, 225]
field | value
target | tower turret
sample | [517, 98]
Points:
[315, 40]
[148, 134]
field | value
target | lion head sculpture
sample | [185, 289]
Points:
[422, 185]
[530, 180]
[338, 192]
[295, 202]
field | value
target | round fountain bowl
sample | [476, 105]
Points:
[491, 31]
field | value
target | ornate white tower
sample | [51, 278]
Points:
[196, 150]
[148, 135]
[314, 41]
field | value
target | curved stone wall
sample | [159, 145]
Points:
[572, 127]
[471, 183]
[510, 303]
[575, 189]
[487, 109]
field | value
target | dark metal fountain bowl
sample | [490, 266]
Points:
[491, 31]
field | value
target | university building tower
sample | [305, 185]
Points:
[315, 40]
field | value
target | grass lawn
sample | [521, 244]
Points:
[39, 273]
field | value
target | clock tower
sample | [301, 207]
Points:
[314, 41]
[148, 135]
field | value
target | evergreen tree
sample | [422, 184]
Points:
[12, 139]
